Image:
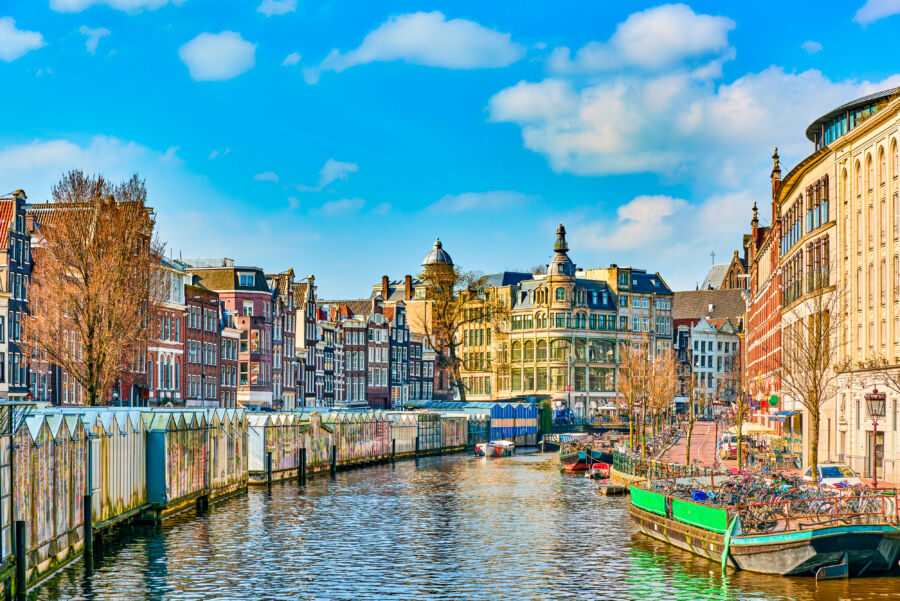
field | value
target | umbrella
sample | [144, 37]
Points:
[748, 428]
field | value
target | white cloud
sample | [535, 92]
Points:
[129, 6]
[334, 170]
[480, 201]
[811, 46]
[218, 56]
[650, 39]
[426, 39]
[382, 209]
[333, 208]
[266, 176]
[277, 7]
[291, 59]
[331, 171]
[218, 153]
[171, 155]
[16, 42]
[93, 37]
[874, 10]
[645, 224]
[293, 202]
[674, 123]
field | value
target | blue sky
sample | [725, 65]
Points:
[339, 138]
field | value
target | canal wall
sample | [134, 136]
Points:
[86, 470]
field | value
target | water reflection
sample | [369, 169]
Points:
[446, 528]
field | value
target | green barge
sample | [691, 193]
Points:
[856, 535]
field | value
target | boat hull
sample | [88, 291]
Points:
[491, 450]
[869, 548]
[579, 461]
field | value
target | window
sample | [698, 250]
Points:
[560, 294]
[248, 308]
[623, 301]
[247, 280]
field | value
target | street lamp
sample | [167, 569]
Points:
[875, 404]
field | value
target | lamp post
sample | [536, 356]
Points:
[875, 404]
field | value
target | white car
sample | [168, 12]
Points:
[834, 474]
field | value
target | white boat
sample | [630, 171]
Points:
[495, 448]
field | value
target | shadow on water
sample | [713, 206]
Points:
[452, 527]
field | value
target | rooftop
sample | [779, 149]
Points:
[712, 304]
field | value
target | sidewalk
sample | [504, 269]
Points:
[703, 446]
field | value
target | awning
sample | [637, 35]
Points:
[783, 415]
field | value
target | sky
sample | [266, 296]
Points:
[340, 138]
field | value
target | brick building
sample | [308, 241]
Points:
[200, 385]
[230, 340]
[243, 290]
[378, 392]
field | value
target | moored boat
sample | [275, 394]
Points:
[552, 442]
[495, 448]
[848, 534]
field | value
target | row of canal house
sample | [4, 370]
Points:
[228, 335]
[76, 468]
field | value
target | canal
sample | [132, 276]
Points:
[453, 527]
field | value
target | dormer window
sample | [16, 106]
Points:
[247, 279]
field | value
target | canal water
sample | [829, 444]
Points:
[453, 527]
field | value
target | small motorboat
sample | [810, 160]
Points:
[598, 471]
[495, 448]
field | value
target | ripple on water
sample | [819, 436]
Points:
[453, 527]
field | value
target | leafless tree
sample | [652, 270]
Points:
[96, 280]
[809, 362]
[456, 300]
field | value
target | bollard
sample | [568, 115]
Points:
[21, 588]
[303, 467]
[269, 469]
[417, 447]
[333, 460]
[393, 451]
[87, 520]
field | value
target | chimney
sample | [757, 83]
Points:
[407, 287]
[384, 287]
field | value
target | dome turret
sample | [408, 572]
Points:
[437, 255]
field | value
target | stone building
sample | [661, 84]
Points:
[564, 330]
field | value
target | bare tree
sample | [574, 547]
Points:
[634, 374]
[661, 387]
[95, 282]
[733, 384]
[697, 405]
[456, 300]
[809, 355]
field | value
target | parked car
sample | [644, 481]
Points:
[834, 474]
[728, 447]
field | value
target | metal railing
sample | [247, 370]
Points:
[658, 470]
[800, 514]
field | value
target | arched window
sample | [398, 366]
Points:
[559, 350]
[896, 161]
[882, 165]
[560, 294]
[858, 179]
[516, 352]
[529, 350]
[843, 194]
[542, 350]
[870, 172]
